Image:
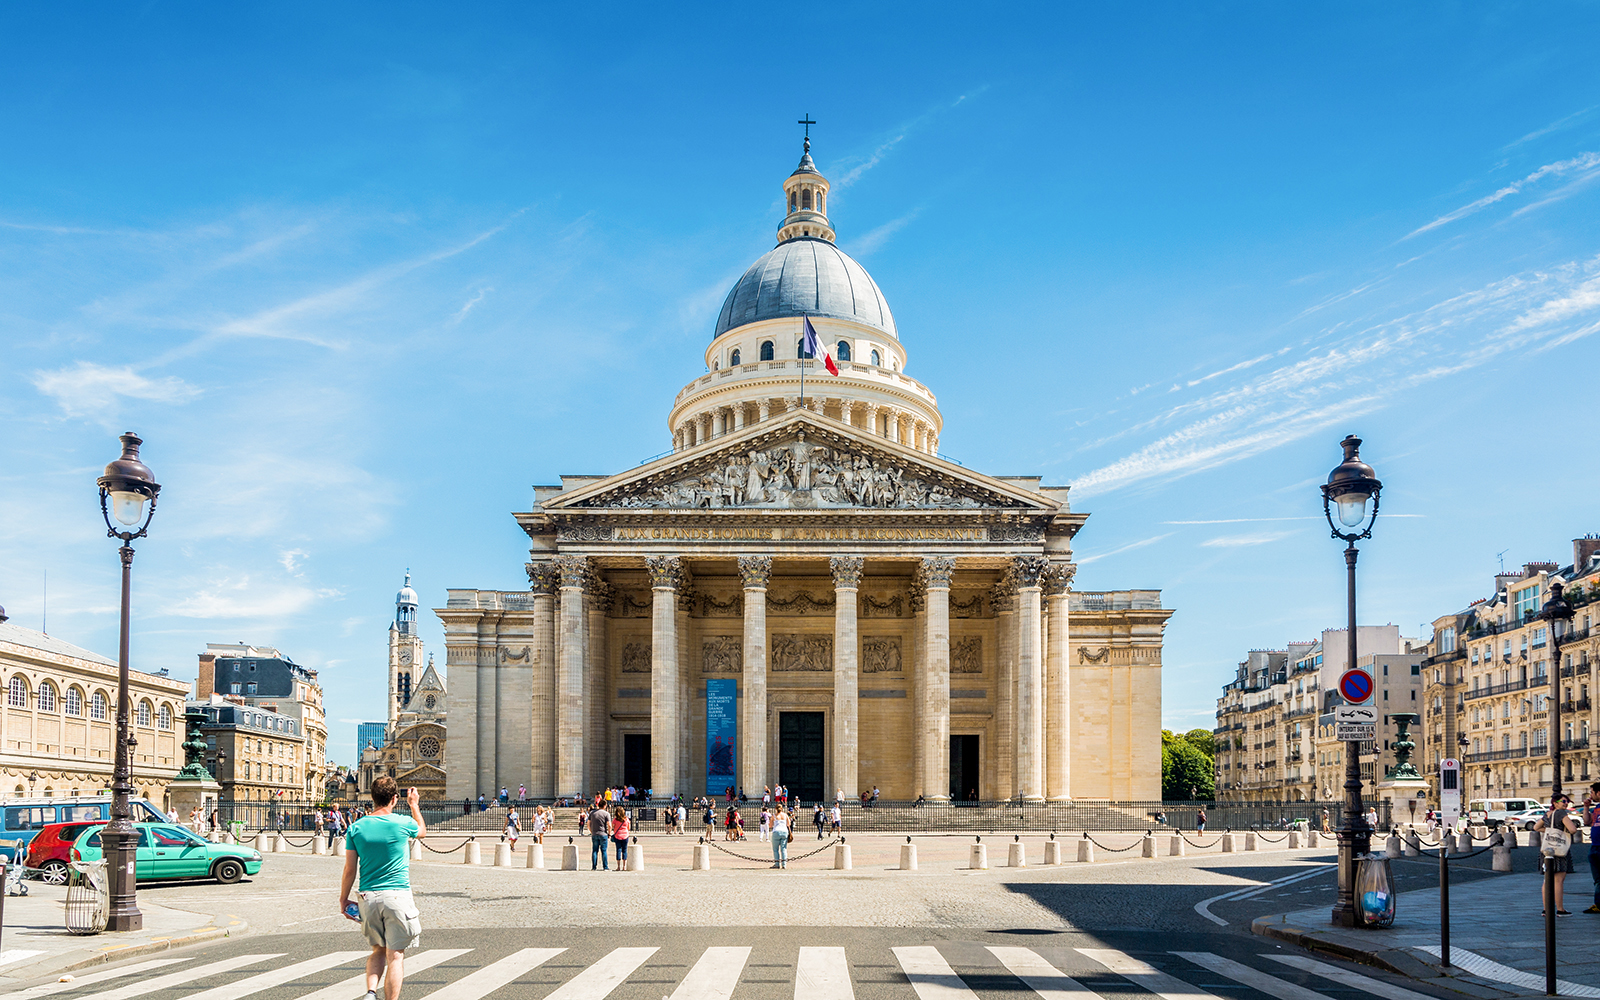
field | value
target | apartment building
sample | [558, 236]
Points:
[261, 677]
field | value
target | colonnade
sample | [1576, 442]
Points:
[902, 426]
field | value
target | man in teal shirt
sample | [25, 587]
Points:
[379, 846]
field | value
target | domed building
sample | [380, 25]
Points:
[802, 592]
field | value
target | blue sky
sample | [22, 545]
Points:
[361, 275]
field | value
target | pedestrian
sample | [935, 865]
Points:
[466, 807]
[1591, 805]
[522, 794]
[838, 796]
[1200, 820]
[1325, 820]
[780, 838]
[619, 836]
[766, 824]
[599, 832]
[540, 824]
[836, 827]
[1557, 819]
[766, 796]
[816, 819]
[378, 849]
[513, 827]
[1372, 818]
[505, 796]
[738, 824]
[683, 817]
[709, 818]
[727, 824]
[874, 796]
[320, 821]
[483, 805]
[215, 822]
[583, 821]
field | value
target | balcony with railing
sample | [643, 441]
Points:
[1512, 754]
[1581, 705]
[1580, 743]
[1494, 689]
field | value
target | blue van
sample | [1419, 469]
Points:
[21, 819]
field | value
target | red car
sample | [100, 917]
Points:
[51, 849]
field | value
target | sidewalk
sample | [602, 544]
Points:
[36, 943]
[1496, 937]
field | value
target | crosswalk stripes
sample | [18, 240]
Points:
[714, 976]
[186, 976]
[1345, 977]
[354, 986]
[1145, 976]
[822, 974]
[1040, 976]
[1272, 986]
[480, 983]
[80, 982]
[598, 980]
[931, 976]
[277, 977]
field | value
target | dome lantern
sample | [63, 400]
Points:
[806, 193]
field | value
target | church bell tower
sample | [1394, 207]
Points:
[405, 651]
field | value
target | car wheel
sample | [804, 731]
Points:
[1529, 827]
[228, 871]
[53, 873]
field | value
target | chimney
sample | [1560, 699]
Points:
[205, 684]
[1583, 549]
[1503, 580]
[1533, 569]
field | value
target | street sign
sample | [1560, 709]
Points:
[1364, 714]
[1449, 792]
[1356, 686]
[1348, 731]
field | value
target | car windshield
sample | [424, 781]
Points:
[174, 836]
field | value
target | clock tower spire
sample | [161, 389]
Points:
[405, 651]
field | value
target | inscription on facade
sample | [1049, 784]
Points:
[966, 655]
[754, 533]
[881, 656]
[636, 658]
[722, 654]
[802, 653]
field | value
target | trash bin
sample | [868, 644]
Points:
[1375, 891]
[88, 897]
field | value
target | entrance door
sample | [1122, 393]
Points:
[636, 760]
[800, 755]
[964, 784]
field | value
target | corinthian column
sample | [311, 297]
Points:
[664, 721]
[1004, 598]
[756, 573]
[846, 582]
[1057, 685]
[1030, 681]
[936, 573]
[569, 677]
[542, 579]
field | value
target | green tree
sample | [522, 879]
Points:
[1186, 765]
[1203, 741]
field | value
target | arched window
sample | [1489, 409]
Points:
[844, 350]
[97, 706]
[144, 713]
[822, 202]
[800, 349]
[47, 697]
[877, 359]
[805, 198]
[17, 692]
[791, 201]
[165, 718]
[74, 701]
[733, 358]
[766, 350]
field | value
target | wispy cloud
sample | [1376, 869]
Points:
[461, 313]
[1581, 164]
[291, 559]
[898, 135]
[243, 598]
[878, 236]
[1241, 366]
[95, 391]
[1237, 541]
[1141, 543]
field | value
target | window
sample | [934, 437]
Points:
[47, 697]
[17, 693]
[1527, 600]
[74, 701]
[844, 350]
[877, 359]
[166, 717]
[800, 349]
[144, 713]
[1447, 640]
[766, 350]
[97, 706]
[733, 358]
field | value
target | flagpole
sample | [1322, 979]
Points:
[802, 361]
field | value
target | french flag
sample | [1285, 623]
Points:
[811, 347]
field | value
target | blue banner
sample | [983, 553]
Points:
[722, 734]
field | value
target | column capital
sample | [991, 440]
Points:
[755, 571]
[542, 577]
[574, 570]
[936, 571]
[1057, 578]
[1029, 569]
[1003, 598]
[664, 571]
[846, 571]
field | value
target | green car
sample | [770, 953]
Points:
[167, 850]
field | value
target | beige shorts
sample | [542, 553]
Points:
[389, 919]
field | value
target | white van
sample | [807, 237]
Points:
[1492, 812]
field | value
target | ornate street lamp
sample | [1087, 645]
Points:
[1557, 613]
[1350, 486]
[33, 776]
[125, 488]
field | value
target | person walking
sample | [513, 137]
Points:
[816, 819]
[1558, 818]
[1200, 820]
[619, 836]
[766, 824]
[378, 849]
[780, 838]
[836, 821]
[1591, 805]
[599, 833]
[513, 827]
[683, 817]
[709, 819]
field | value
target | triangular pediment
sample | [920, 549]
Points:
[801, 462]
[425, 772]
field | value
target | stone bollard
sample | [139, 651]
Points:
[1508, 836]
[841, 857]
[1464, 841]
[1535, 840]
[471, 854]
[1294, 840]
[978, 857]
[319, 844]
[1052, 852]
[1230, 843]
[1177, 847]
[502, 855]
[338, 847]
[1017, 854]
[1148, 846]
[1250, 841]
[569, 856]
[1479, 832]
[1502, 858]
[635, 856]
[1411, 847]
[702, 857]
[1447, 842]
[263, 843]
[1086, 851]
[535, 855]
[416, 850]
[1311, 838]
[908, 856]
[1391, 846]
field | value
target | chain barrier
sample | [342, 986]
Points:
[448, 850]
[291, 843]
[1269, 840]
[1198, 846]
[768, 861]
[1114, 850]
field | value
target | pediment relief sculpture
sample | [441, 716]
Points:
[802, 653]
[722, 654]
[966, 655]
[881, 656]
[636, 658]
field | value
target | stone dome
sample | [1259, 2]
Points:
[805, 276]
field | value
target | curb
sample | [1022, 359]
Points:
[152, 947]
[1389, 960]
